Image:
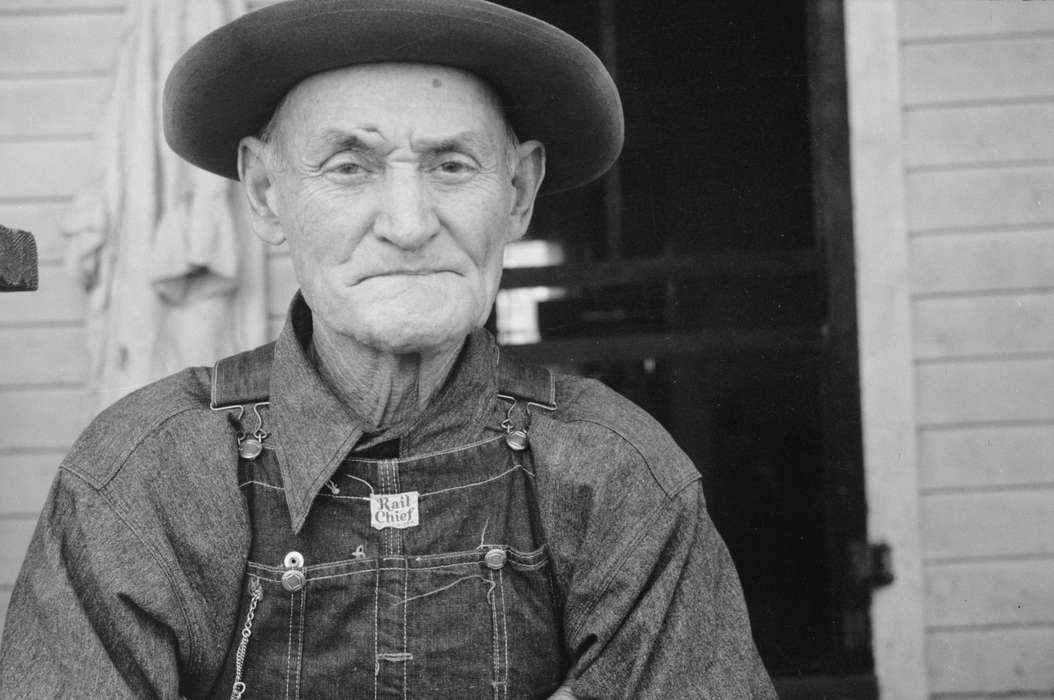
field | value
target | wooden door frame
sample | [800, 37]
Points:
[887, 390]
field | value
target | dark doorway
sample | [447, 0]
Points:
[710, 279]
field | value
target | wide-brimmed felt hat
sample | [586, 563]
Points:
[552, 87]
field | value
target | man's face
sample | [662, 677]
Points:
[395, 186]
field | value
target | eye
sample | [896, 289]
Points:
[455, 167]
[345, 167]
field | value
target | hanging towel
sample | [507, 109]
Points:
[173, 273]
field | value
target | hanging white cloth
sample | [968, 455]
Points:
[173, 272]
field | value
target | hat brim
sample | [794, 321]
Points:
[552, 87]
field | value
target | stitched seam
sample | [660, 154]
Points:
[289, 646]
[260, 483]
[120, 461]
[197, 651]
[376, 631]
[300, 642]
[505, 634]
[613, 569]
[494, 634]
[406, 590]
[672, 490]
[407, 460]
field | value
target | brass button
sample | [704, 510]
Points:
[495, 559]
[516, 439]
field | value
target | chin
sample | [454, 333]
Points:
[407, 337]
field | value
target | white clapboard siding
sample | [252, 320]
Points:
[15, 6]
[42, 355]
[978, 134]
[985, 391]
[1003, 324]
[1003, 455]
[15, 534]
[59, 299]
[45, 168]
[33, 472]
[998, 661]
[1008, 69]
[43, 418]
[927, 19]
[983, 261]
[51, 106]
[990, 593]
[55, 43]
[988, 524]
[5, 599]
[981, 198]
[43, 220]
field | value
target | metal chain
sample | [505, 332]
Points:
[256, 593]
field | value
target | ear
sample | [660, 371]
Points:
[256, 172]
[527, 175]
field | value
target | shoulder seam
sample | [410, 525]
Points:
[670, 492]
[118, 462]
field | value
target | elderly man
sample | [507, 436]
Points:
[381, 504]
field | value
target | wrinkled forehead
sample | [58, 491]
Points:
[391, 97]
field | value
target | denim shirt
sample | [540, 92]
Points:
[134, 582]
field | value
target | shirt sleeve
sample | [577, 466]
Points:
[670, 620]
[91, 614]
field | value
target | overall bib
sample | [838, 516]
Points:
[425, 577]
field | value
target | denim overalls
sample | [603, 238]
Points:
[426, 577]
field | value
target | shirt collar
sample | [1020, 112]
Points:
[312, 431]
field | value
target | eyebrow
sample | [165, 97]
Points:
[344, 141]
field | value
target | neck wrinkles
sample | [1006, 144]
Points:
[381, 389]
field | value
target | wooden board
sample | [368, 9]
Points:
[984, 261]
[1006, 661]
[51, 106]
[985, 391]
[922, 19]
[26, 477]
[58, 43]
[58, 300]
[43, 355]
[975, 71]
[43, 418]
[946, 328]
[985, 198]
[62, 5]
[988, 524]
[46, 168]
[5, 600]
[990, 593]
[43, 220]
[978, 134]
[986, 456]
[15, 534]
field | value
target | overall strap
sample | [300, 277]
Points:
[242, 379]
[533, 384]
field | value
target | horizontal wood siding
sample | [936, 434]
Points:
[979, 172]
[1001, 662]
[54, 59]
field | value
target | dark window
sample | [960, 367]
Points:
[709, 278]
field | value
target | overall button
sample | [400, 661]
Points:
[516, 439]
[495, 558]
[293, 580]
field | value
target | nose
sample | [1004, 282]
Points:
[406, 216]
